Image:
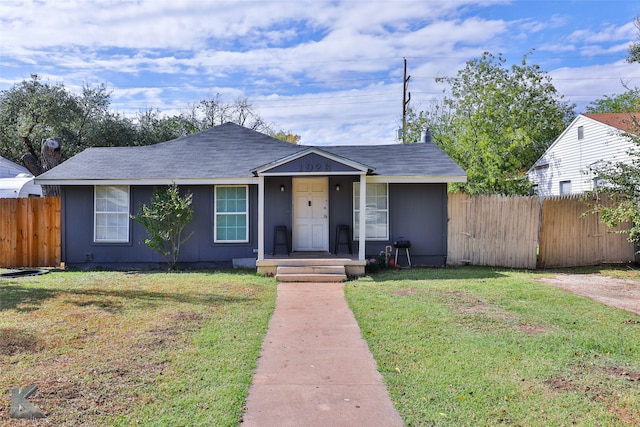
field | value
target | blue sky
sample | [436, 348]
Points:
[330, 71]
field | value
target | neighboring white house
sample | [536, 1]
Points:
[16, 181]
[591, 139]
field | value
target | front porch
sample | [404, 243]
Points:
[311, 266]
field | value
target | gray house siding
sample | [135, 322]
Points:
[277, 210]
[80, 251]
[341, 211]
[417, 212]
[311, 163]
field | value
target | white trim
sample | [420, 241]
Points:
[250, 180]
[154, 181]
[371, 239]
[260, 218]
[313, 150]
[362, 235]
[415, 179]
[95, 215]
[215, 213]
[311, 174]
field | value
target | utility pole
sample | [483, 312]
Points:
[406, 97]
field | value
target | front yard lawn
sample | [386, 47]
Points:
[480, 346]
[115, 348]
[456, 347]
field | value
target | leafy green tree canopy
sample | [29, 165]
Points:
[495, 122]
[628, 102]
[34, 110]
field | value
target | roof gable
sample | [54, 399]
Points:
[313, 161]
[613, 121]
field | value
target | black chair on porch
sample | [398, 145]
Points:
[280, 231]
[343, 230]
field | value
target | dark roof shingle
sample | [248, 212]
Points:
[232, 151]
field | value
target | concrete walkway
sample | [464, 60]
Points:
[315, 369]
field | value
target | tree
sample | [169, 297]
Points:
[287, 136]
[214, 111]
[634, 48]
[165, 219]
[495, 122]
[627, 102]
[33, 111]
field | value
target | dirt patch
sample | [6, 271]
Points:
[470, 305]
[405, 292]
[14, 340]
[593, 382]
[619, 293]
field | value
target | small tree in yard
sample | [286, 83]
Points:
[164, 219]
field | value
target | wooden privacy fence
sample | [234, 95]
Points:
[30, 232]
[529, 232]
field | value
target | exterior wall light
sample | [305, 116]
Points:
[282, 187]
[337, 187]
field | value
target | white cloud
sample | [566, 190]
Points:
[324, 69]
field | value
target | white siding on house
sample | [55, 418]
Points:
[570, 158]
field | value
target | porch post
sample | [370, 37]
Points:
[363, 216]
[260, 217]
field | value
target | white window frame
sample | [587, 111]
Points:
[564, 186]
[119, 214]
[356, 211]
[216, 213]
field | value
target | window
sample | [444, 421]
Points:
[599, 182]
[565, 187]
[580, 132]
[111, 220]
[377, 211]
[231, 214]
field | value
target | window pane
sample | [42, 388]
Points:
[377, 202]
[111, 216]
[231, 213]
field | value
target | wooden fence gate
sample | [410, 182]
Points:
[30, 232]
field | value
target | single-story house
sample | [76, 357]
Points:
[590, 140]
[16, 181]
[256, 197]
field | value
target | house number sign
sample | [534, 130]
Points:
[314, 167]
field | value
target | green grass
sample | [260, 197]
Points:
[481, 346]
[112, 348]
[456, 347]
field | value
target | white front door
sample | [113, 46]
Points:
[310, 214]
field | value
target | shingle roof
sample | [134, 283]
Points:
[232, 151]
[622, 121]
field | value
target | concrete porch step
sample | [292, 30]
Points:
[311, 273]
